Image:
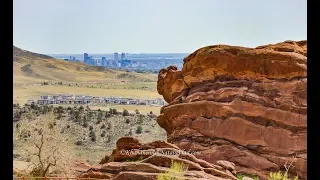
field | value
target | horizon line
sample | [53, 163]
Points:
[120, 53]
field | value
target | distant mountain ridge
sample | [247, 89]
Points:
[20, 53]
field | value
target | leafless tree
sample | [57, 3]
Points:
[45, 145]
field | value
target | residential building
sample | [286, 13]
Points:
[124, 101]
[97, 100]
[83, 99]
[132, 102]
[142, 102]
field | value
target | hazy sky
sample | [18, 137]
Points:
[133, 26]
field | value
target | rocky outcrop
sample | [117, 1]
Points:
[136, 161]
[244, 105]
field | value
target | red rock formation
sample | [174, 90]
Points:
[244, 105]
[136, 161]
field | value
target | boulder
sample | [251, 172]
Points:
[243, 105]
[150, 160]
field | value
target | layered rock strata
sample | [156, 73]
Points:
[244, 105]
[136, 161]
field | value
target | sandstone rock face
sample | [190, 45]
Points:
[244, 105]
[136, 161]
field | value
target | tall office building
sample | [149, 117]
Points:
[103, 61]
[91, 60]
[115, 59]
[123, 56]
[85, 57]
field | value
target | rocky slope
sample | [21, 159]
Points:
[244, 105]
[134, 160]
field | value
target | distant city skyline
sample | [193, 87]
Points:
[157, 26]
[129, 62]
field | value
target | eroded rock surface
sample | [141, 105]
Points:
[136, 161]
[244, 105]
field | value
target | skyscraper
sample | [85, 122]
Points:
[85, 57]
[123, 56]
[103, 61]
[115, 59]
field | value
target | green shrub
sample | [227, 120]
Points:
[46, 109]
[280, 176]
[79, 143]
[98, 121]
[140, 119]
[51, 126]
[103, 133]
[127, 121]
[139, 130]
[125, 112]
[130, 132]
[85, 124]
[100, 115]
[175, 172]
[59, 116]
[92, 135]
[108, 125]
[91, 128]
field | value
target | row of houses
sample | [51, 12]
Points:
[83, 99]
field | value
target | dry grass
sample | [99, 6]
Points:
[22, 93]
[82, 78]
[60, 70]
[87, 80]
[115, 127]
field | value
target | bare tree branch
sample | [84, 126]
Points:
[47, 149]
